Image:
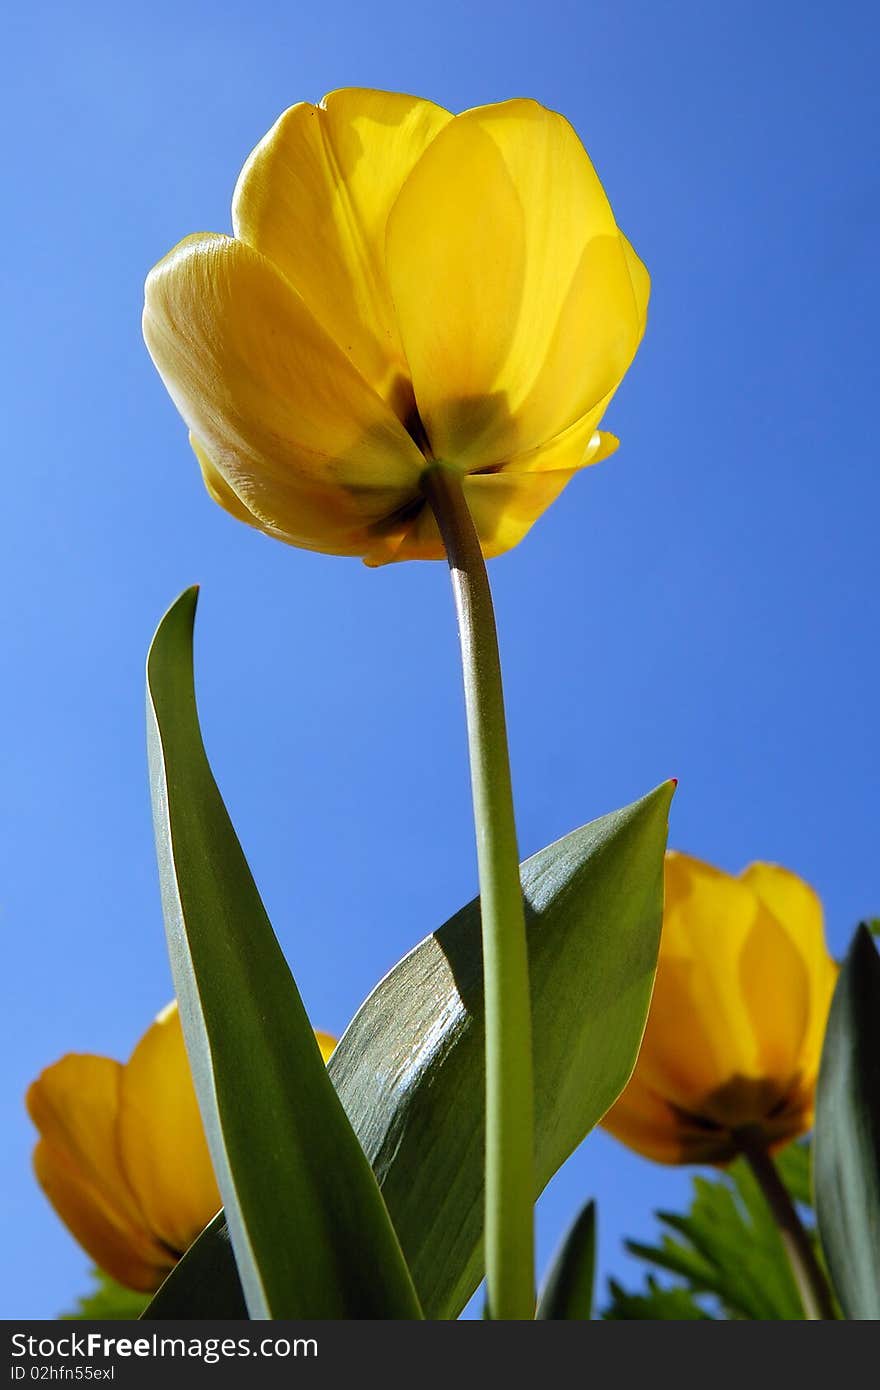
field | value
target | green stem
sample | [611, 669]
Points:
[510, 1164]
[812, 1284]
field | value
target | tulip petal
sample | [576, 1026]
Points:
[134, 1263]
[798, 911]
[326, 1043]
[75, 1106]
[504, 505]
[289, 425]
[641, 284]
[318, 517]
[644, 1121]
[162, 1144]
[775, 989]
[732, 1016]
[699, 1033]
[512, 285]
[314, 197]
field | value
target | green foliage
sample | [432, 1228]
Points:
[108, 1301]
[310, 1230]
[725, 1252]
[410, 1067]
[568, 1291]
[847, 1144]
[655, 1303]
[208, 1274]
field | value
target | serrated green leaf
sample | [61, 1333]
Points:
[409, 1068]
[107, 1302]
[727, 1246]
[311, 1234]
[655, 1303]
[847, 1134]
[567, 1294]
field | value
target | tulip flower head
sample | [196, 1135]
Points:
[403, 287]
[122, 1154]
[734, 1034]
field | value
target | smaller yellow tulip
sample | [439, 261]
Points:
[122, 1154]
[734, 1035]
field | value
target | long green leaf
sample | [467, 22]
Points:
[846, 1159]
[311, 1233]
[568, 1291]
[209, 1274]
[409, 1068]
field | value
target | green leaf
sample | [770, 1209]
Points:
[727, 1247]
[847, 1134]
[409, 1068]
[794, 1165]
[208, 1274]
[311, 1234]
[655, 1303]
[568, 1292]
[107, 1302]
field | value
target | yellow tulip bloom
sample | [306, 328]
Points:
[122, 1154]
[735, 1030]
[403, 286]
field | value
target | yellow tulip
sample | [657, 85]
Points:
[735, 1030]
[122, 1154]
[403, 286]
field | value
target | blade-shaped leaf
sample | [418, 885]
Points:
[846, 1160]
[209, 1274]
[568, 1291]
[311, 1234]
[409, 1068]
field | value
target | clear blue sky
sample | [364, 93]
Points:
[703, 605]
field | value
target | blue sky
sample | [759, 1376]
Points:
[704, 605]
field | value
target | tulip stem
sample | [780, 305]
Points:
[509, 1157]
[812, 1284]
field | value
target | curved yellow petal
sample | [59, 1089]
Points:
[219, 489]
[654, 1128]
[775, 990]
[288, 423]
[729, 1032]
[317, 516]
[75, 1106]
[326, 1043]
[162, 1143]
[314, 197]
[646, 1123]
[132, 1259]
[512, 285]
[505, 504]
[700, 1032]
[641, 284]
[797, 909]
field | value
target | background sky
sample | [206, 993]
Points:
[704, 605]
